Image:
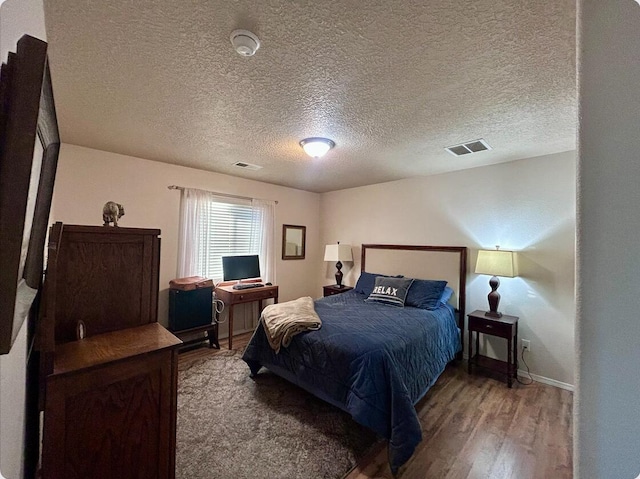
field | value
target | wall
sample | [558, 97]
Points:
[527, 206]
[17, 17]
[88, 178]
[607, 412]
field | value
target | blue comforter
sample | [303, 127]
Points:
[372, 360]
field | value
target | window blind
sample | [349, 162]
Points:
[226, 229]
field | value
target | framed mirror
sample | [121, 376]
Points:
[28, 161]
[293, 241]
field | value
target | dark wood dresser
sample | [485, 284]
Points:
[109, 399]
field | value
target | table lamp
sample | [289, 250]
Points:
[338, 252]
[496, 263]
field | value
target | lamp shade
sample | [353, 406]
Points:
[338, 252]
[495, 263]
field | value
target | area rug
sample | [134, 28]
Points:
[232, 426]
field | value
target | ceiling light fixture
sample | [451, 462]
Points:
[316, 147]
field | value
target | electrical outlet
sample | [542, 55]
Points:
[526, 344]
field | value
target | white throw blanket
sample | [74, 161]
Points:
[284, 320]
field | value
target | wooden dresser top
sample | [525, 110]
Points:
[113, 346]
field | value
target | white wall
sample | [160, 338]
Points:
[607, 406]
[527, 206]
[17, 17]
[87, 178]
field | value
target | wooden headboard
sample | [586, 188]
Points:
[423, 262]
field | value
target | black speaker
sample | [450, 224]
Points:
[189, 309]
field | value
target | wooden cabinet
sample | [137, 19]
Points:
[110, 408]
[109, 399]
[106, 276]
[334, 289]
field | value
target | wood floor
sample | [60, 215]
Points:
[474, 427]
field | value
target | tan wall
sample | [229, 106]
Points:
[527, 206]
[88, 178]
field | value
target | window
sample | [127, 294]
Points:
[226, 229]
[213, 226]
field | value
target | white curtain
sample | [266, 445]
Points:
[263, 236]
[192, 204]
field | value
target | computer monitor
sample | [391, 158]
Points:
[240, 267]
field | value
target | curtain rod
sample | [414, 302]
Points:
[182, 188]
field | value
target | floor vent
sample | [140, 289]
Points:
[247, 166]
[469, 147]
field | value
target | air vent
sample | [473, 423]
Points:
[469, 147]
[247, 166]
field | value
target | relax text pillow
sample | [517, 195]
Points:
[392, 291]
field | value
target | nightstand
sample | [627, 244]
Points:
[504, 327]
[334, 289]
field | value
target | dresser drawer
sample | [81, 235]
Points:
[490, 326]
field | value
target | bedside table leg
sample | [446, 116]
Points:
[515, 354]
[470, 351]
[509, 363]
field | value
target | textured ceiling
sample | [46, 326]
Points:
[391, 82]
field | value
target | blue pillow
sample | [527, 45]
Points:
[391, 291]
[425, 293]
[367, 281]
[446, 295]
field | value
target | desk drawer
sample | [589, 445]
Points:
[495, 328]
[254, 295]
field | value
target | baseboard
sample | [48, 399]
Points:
[539, 379]
[544, 380]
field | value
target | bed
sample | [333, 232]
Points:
[373, 360]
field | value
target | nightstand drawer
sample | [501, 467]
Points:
[333, 289]
[487, 325]
[331, 292]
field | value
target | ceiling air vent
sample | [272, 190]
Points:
[469, 147]
[247, 166]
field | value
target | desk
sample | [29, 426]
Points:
[230, 297]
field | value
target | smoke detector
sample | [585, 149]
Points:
[244, 42]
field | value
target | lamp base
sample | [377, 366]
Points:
[339, 274]
[494, 298]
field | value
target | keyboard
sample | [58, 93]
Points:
[247, 285]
